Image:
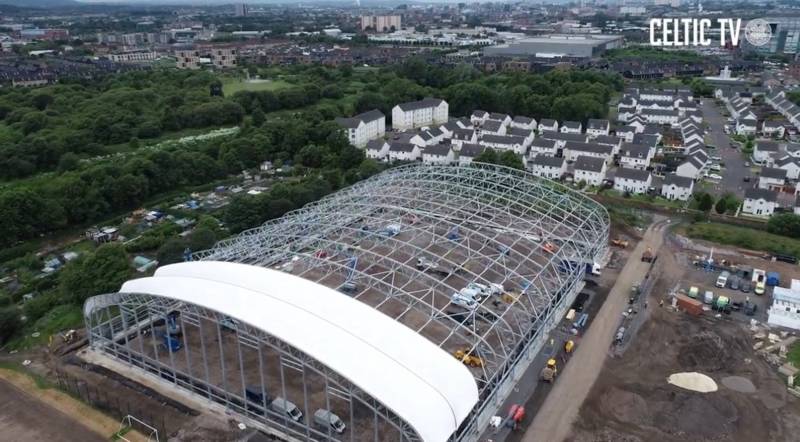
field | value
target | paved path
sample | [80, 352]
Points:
[554, 419]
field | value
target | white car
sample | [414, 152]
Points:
[463, 301]
[715, 167]
[714, 176]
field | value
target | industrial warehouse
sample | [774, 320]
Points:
[403, 308]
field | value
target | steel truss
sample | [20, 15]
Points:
[482, 223]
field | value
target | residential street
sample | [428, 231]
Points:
[554, 419]
[734, 170]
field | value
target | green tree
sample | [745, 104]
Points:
[171, 251]
[10, 323]
[202, 238]
[786, 224]
[259, 117]
[705, 202]
[103, 271]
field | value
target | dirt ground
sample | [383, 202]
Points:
[631, 400]
[24, 418]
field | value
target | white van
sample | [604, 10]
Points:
[281, 405]
[326, 419]
[722, 279]
[463, 301]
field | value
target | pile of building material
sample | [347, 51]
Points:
[693, 381]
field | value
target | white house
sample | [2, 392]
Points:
[571, 127]
[438, 154]
[633, 181]
[504, 142]
[785, 308]
[772, 178]
[746, 126]
[797, 205]
[520, 122]
[634, 156]
[591, 170]
[765, 151]
[377, 149]
[399, 151]
[364, 127]
[661, 116]
[503, 119]
[548, 125]
[625, 113]
[562, 139]
[626, 133]
[596, 128]
[793, 149]
[609, 140]
[493, 127]
[527, 134]
[478, 117]
[760, 202]
[462, 136]
[426, 112]
[773, 129]
[676, 187]
[791, 165]
[468, 153]
[573, 150]
[543, 146]
[690, 168]
[548, 167]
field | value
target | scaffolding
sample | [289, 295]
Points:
[402, 242]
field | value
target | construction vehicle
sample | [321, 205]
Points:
[648, 255]
[468, 359]
[173, 328]
[68, 336]
[171, 344]
[549, 371]
[619, 242]
[635, 292]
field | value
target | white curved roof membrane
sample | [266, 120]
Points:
[424, 385]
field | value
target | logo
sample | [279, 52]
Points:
[758, 32]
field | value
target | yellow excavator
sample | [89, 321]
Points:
[468, 359]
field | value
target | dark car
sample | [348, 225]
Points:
[746, 286]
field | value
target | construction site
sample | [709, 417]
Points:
[406, 307]
[443, 304]
[632, 399]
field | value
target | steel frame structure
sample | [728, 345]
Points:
[479, 223]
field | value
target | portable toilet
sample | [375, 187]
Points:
[773, 278]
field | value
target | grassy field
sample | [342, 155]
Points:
[231, 86]
[744, 237]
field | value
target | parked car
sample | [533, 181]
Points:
[746, 179]
[734, 283]
[746, 286]
[714, 176]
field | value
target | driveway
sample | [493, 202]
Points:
[734, 171]
[554, 420]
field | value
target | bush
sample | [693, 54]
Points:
[10, 323]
